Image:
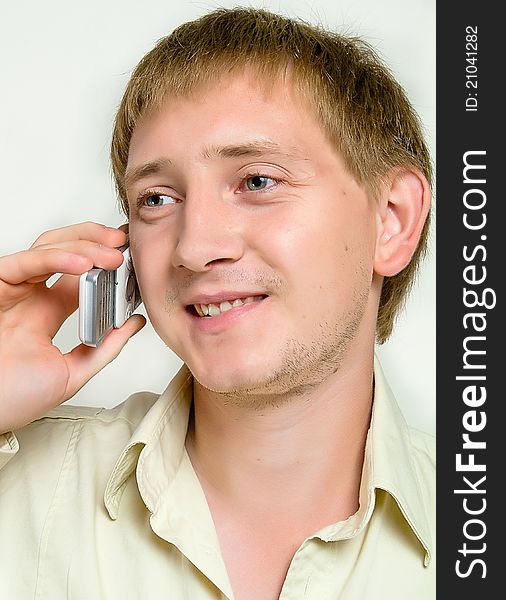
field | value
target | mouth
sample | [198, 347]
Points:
[215, 310]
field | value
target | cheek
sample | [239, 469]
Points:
[310, 238]
[326, 252]
[151, 257]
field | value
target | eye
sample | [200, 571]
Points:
[154, 199]
[259, 182]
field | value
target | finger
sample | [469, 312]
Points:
[22, 266]
[11, 295]
[63, 301]
[74, 258]
[84, 362]
[103, 256]
[40, 278]
[95, 232]
[49, 306]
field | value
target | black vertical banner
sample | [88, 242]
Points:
[471, 232]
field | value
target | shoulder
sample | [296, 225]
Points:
[119, 421]
[89, 432]
[424, 447]
[423, 443]
[423, 455]
[61, 465]
[131, 411]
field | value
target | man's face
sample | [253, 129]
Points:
[239, 202]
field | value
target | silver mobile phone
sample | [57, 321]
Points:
[106, 300]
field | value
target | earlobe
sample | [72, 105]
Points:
[402, 212]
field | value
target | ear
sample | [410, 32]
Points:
[402, 212]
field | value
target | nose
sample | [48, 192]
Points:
[209, 232]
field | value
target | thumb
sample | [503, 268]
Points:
[84, 362]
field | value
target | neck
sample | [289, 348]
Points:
[304, 453]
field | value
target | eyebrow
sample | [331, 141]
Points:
[254, 149]
[153, 167]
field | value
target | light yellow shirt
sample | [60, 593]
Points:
[104, 504]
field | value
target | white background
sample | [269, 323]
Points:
[64, 66]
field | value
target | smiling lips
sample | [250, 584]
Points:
[215, 309]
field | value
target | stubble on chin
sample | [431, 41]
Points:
[302, 367]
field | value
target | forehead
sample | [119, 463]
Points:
[241, 110]
[266, 81]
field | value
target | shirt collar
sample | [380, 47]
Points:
[392, 462]
[156, 451]
[169, 415]
[167, 482]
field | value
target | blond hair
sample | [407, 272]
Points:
[362, 109]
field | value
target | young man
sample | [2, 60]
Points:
[276, 184]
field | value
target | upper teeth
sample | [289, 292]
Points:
[212, 310]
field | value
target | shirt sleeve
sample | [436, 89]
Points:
[9, 446]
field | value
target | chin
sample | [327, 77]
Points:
[232, 377]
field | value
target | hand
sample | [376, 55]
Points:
[34, 375]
